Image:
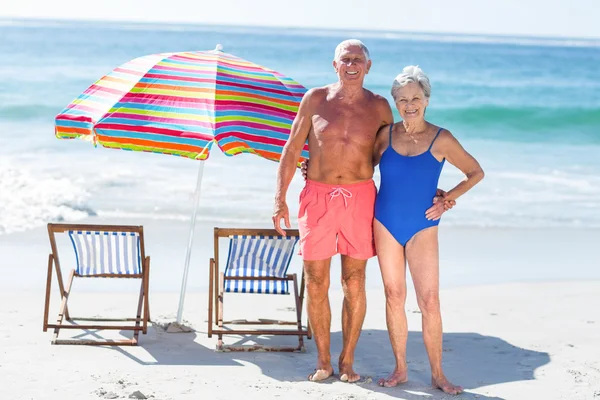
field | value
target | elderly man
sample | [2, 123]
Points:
[340, 121]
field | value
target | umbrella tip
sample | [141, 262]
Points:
[219, 47]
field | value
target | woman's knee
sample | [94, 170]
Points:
[395, 294]
[429, 302]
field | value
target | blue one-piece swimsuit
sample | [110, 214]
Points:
[407, 188]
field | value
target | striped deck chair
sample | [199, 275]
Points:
[101, 251]
[257, 263]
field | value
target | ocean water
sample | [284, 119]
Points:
[528, 109]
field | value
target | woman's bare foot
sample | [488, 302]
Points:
[444, 385]
[320, 374]
[347, 374]
[394, 379]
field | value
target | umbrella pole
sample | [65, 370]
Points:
[190, 241]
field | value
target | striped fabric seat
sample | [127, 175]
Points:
[100, 253]
[259, 256]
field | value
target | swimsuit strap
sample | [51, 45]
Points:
[390, 142]
[436, 135]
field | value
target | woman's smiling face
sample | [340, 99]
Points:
[411, 102]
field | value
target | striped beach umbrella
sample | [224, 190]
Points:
[183, 103]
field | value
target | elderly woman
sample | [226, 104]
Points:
[411, 154]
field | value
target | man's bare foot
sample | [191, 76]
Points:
[444, 385]
[394, 379]
[347, 374]
[320, 374]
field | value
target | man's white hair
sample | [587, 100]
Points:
[411, 74]
[348, 43]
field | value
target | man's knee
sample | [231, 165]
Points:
[353, 283]
[316, 286]
[317, 279]
[429, 303]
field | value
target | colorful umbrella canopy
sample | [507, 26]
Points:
[180, 103]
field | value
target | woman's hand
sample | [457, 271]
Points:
[448, 204]
[304, 168]
[440, 205]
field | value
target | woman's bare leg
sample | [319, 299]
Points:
[390, 255]
[422, 254]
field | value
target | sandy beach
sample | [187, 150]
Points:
[519, 323]
[512, 341]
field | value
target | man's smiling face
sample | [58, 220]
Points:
[351, 64]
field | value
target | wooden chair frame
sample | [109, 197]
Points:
[216, 293]
[143, 310]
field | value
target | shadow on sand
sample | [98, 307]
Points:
[470, 359]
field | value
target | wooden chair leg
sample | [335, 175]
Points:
[146, 294]
[48, 288]
[294, 280]
[138, 317]
[61, 285]
[63, 306]
[216, 288]
[211, 271]
[220, 303]
[302, 287]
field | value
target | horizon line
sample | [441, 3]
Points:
[590, 41]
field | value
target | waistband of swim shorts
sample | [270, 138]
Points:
[347, 186]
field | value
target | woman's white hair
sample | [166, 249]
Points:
[411, 74]
[348, 43]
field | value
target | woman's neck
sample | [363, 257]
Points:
[415, 127]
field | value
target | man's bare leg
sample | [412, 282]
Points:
[319, 314]
[422, 254]
[392, 263]
[353, 313]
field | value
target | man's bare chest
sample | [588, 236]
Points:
[356, 121]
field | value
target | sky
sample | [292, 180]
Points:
[554, 18]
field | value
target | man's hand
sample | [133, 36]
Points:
[281, 211]
[304, 168]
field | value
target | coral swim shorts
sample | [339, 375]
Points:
[337, 219]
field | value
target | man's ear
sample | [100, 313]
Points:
[335, 66]
[368, 67]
